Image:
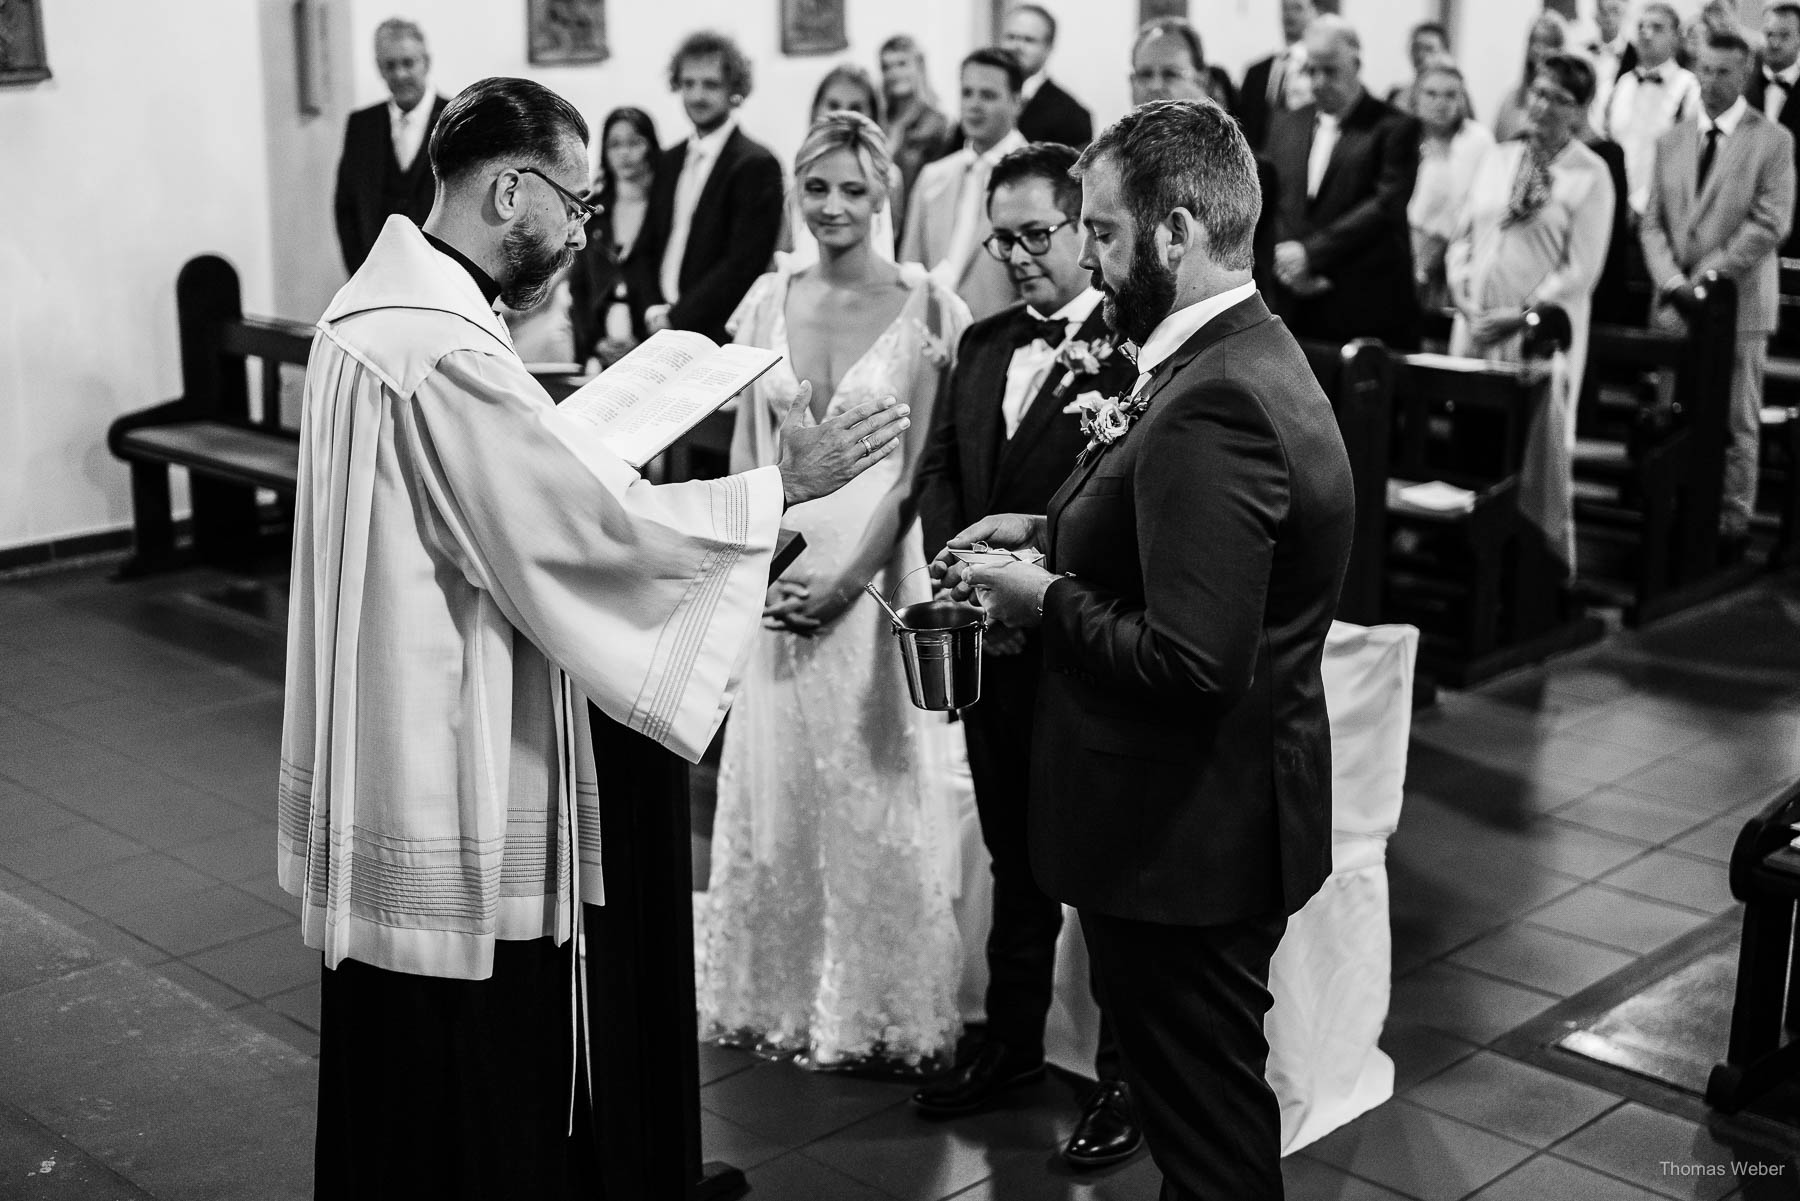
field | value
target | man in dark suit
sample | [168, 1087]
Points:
[716, 204]
[1345, 165]
[384, 168]
[1181, 793]
[1050, 114]
[1004, 435]
[1277, 83]
[1773, 83]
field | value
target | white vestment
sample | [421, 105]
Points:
[470, 567]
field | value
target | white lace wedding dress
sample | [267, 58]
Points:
[826, 931]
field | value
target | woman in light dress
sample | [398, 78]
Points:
[1535, 232]
[845, 89]
[1549, 35]
[1451, 147]
[827, 931]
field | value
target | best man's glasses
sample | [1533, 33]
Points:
[580, 210]
[1035, 241]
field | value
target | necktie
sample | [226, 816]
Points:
[1706, 155]
[1031, 328]
[1775, 97]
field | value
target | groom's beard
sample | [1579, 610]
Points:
[1143, 298]
[532, 264]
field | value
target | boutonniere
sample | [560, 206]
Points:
[1106, 419]
[935, 349]
[1078, 359]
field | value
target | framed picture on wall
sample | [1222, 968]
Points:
[565, 31]
[22, 58]
[813, 27]
[1150, 10]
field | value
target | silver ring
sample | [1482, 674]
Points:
[867, 449]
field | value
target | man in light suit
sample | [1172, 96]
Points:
[1345, 166]
[1722, 199]
[1776, 79]
[946, 216]
[1181, 784]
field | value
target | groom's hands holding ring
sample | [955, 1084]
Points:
[1004, 531]
[817, 460]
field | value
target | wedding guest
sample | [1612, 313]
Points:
[1721, 199]
[1715, 16]
[944, 218]
[916, 131]
[611, 278]
[1004, 435]
[1181, 785]
[1277, 83]
[827, 928]
[1050, 114]
[1345, 163]
[1613, 54]
[1535, 232]
[1451, 147]
[1429, 42]
[383, 169]
[1549, 34]
[1772, 83]
[716, 200]
[1657, 95]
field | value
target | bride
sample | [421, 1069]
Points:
[826, 932]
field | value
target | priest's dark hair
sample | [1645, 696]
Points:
[1187, 154]
[1048, 161]
[503, 118]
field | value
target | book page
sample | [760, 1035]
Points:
[664, 388]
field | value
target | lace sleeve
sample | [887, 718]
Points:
[745, 317]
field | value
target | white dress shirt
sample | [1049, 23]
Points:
[696, 169]
[1325, 140]
[1778, 89]
[1030, 365]
[409, 129]
[1174, 330]
[1640, 112]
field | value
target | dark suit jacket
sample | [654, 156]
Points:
[359, 205]
[594, 277]
[1182, 768]
[1253, 102]
[1614, 303]
[1055, 116]
[969, 467]
[1355, 230]
[731, 240]
[1790, 121]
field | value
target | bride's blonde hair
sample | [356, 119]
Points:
[845, 130]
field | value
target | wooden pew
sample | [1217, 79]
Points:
[1359, 381]
[1649, 465]
[208, 429]
[1481, 586]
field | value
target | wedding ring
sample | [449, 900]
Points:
[867, 449]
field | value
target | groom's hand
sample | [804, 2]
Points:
[1004, 531]
[817, 460]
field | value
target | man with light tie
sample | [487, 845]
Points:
[1772, 83]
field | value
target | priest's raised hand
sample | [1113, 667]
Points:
[818, 458]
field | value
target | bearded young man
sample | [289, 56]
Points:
[471, 568]
[1181, 787]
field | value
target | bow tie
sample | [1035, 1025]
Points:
[1778, 82]
[1049, 331]
[1649, 76]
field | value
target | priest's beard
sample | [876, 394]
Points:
[1144, 297]
[532, 264]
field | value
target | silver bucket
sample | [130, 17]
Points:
[940, 643]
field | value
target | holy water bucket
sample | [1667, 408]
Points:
[940, 644]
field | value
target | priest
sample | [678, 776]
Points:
[471, 568]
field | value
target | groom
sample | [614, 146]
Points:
[1181, 795]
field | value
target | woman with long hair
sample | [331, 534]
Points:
[917, 132]
[1451, 147]
[1549, 35]
[827, 932]
[613, 274]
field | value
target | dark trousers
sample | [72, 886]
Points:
[1187, 1004]
[453, 1088]
[1021, 945]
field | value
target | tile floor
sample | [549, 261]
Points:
[1559, 825]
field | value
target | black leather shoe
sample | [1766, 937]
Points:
[1108, 1130]
[992, 1071]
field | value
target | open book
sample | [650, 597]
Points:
[662, 389]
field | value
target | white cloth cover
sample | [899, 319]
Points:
[1331, 975]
